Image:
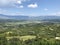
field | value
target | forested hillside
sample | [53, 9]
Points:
[23, 33]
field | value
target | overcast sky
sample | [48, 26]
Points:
[30, 7]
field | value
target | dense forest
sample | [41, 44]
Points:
[29, 33]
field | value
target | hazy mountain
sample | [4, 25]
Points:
[44, 18]
[13, 17]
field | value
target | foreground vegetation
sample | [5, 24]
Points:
[23, 33]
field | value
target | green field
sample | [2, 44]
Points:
[29, 33]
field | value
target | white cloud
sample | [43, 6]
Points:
[46, 9]
[11, 3]
[2, 11]
[21, 6]
[33, 5]
[55, 14]
[6, 12]
[58, 13]
[6, 2]
[19, 2]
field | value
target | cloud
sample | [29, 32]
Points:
[2, 11]
[19, 2]
[6, 2]
[21, 6]
[6, 12]
[58, 13]
[46, 9]
[11, 3]
[55, 14]
[33, 5]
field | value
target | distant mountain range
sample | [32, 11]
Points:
[13, 17]
[44, 18]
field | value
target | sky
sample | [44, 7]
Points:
[30, 7]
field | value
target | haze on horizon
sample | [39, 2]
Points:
[30, 7]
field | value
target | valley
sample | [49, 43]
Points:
[29, 33]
